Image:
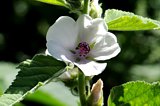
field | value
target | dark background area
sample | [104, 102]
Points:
[24, 23]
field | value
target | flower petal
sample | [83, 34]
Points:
[89, 28]
[90, 68]
[63, 32]
[59, 52]
[47, 52]
[83, 22]
[97, 29]
[105, 47]
[99, 25]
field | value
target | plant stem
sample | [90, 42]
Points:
[86, 6]
[82, 89]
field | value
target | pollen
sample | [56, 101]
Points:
[82, 49]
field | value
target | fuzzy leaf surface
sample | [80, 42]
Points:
[33, 74]
[127, 21]
[138, 93]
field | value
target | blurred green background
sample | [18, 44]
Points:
[23, 27]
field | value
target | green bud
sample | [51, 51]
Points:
[69, 78]
[69, 74]
[96, 96]
[96, 10]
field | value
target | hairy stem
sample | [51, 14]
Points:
[82, 89]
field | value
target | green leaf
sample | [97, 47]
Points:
[5, 78]
[126, 21]
[54, 94]
[56, 2]
[33, 74]
[137, 93]
[44, 98]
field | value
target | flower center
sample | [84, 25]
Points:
[82, 50]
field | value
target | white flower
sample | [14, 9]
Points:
[82, 43]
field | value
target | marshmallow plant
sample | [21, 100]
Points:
[77, 50]
[82, 42]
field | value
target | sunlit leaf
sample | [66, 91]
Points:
[54, 94]
[55, 2]
[33, 74]
[9, 99]
[137, 93]
[126, 21]
[8, 72]
[44, 98]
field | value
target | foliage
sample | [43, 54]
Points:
[127, 21]
[36, 72]
[136, 93]
[139, 59]
[55, 2]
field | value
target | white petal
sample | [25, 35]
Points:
[97, 29]
[59, 52]
[83, 22]
[100, 25]
[63, 32]
[89, 28]
[105, 47]
[91, 68]
[47, 52]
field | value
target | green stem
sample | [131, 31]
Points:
[86, 6]
[82, 89]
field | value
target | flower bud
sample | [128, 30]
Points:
[96, 10]
[96, 96]
[69, 78]
[69, 74]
